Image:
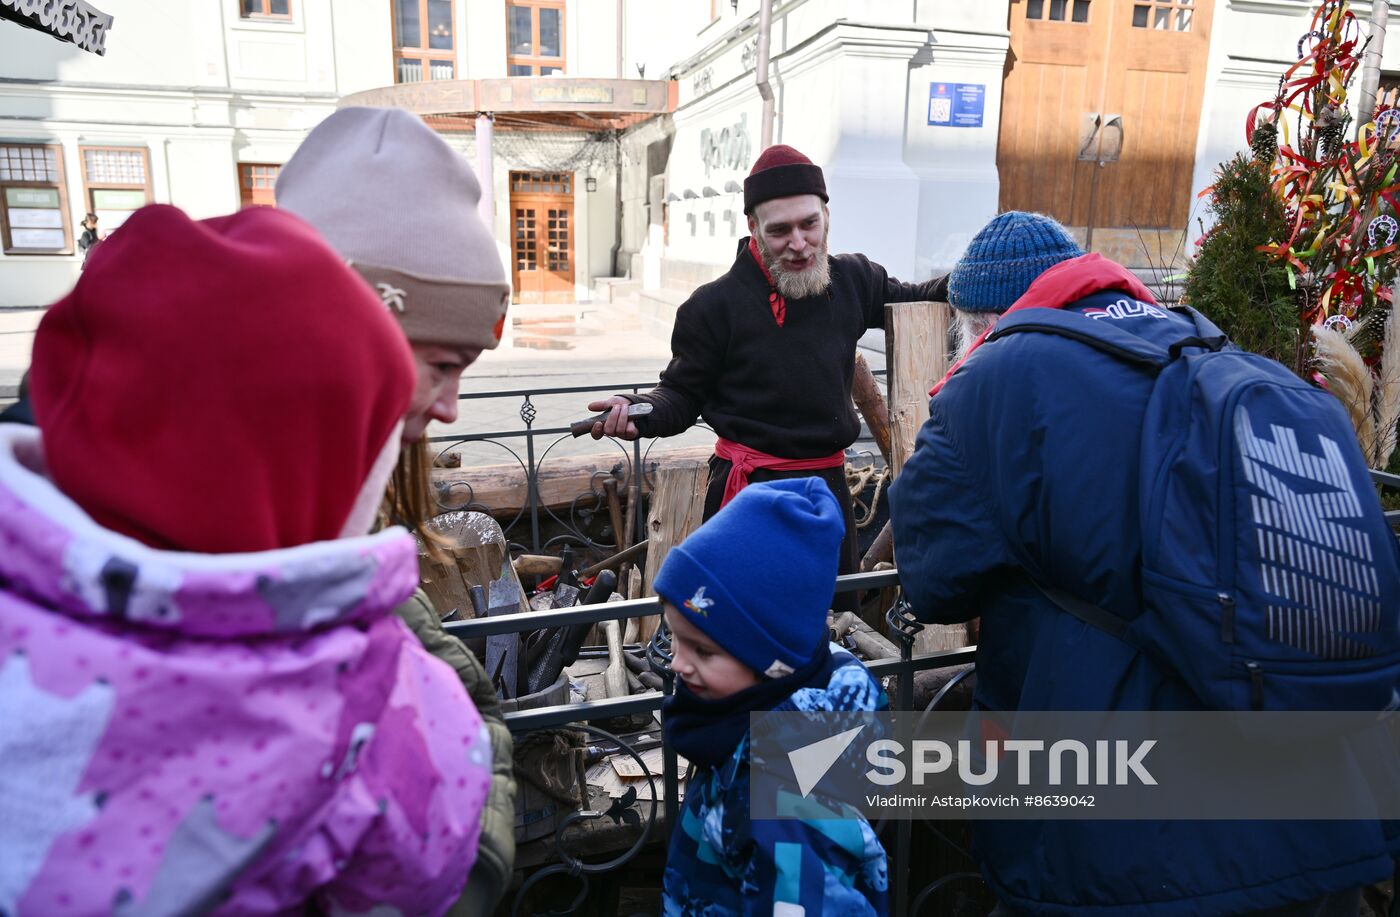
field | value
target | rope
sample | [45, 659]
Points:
[857, 479]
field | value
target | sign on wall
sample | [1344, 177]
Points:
[956, 104]
[67, 20]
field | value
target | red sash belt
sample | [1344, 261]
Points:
[745, 460]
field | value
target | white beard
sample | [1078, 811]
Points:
[800, 284]
[969, 328]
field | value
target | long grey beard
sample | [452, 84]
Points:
[810, 282]
[969, 327]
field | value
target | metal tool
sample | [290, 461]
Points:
[581, 427]
[503, 650]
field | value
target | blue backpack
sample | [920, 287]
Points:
[1270, 576]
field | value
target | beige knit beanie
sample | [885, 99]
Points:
[400, 206]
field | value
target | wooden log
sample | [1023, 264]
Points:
[676, 510]
[472, 552]
[501, 490]
[916, 342]
[865, 392]
[916, 345]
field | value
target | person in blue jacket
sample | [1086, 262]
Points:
[746, 598]
[1028, 467]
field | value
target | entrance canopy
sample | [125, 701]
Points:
[66, 20]
[557, 103]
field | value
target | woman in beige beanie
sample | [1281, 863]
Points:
[400, 206]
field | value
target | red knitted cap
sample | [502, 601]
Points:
[218, 386]
[779, 154]
[781, 171]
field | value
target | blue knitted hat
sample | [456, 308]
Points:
[757, 578]
[1005, 257]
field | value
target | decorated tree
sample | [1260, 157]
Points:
[1301, 264]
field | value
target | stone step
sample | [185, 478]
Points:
[657, 309]
[611, 289]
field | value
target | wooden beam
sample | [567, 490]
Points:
[916, 344]
[500, 489]
[916, 341]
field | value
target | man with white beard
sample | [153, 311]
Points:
[1000, 262]
[765, 354]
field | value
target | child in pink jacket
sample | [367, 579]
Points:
[206, 702]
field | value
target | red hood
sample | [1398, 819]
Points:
[1063, 285]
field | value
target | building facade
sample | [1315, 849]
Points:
[614, 135]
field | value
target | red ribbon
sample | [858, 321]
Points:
[775, 299]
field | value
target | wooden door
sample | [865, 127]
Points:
[1076, 64]
[257, 183]
[542, 206]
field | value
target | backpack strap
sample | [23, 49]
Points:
[1100, 335]
[1089, 613]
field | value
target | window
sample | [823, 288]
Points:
[1077, 10]
[424, 40]
[116, 182]
[1163, 15]
[265, 9]
[34, 200]
[535, 38]
[257, 184]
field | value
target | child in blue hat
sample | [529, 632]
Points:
[746, 598]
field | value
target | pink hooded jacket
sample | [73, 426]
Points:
[241, 733]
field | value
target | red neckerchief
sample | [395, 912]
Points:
[1063, 285]
[775, 299]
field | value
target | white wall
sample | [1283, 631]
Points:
[851, 82]
[194, 84]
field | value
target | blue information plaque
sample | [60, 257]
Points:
[956, 104]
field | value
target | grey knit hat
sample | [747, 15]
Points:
[400, 206]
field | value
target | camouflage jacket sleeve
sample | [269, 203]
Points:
[496, 854]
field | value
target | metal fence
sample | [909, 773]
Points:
[539, 438]
[896, 835]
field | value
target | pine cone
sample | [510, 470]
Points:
[1264, 143]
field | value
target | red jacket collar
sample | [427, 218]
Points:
[1064, 285]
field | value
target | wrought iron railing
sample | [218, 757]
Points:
[897, 835]
[540, 439]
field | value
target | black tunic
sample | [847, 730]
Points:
[784, 391]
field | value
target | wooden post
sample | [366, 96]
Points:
[677, 506]
[916, 343]
[916, 347]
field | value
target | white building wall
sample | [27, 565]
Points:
[201, 89]
[851, 84]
